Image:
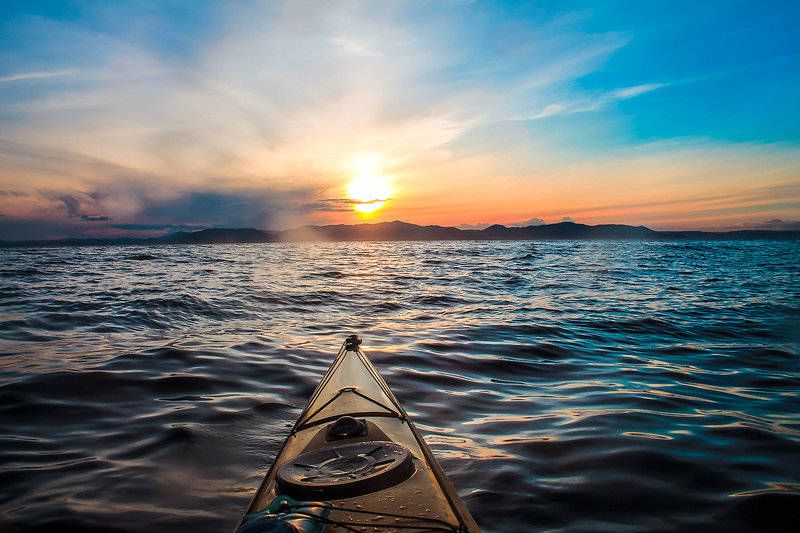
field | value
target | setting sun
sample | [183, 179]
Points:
[370, 191]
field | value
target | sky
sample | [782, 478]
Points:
[140, 118]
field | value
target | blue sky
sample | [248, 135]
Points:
[134, 118]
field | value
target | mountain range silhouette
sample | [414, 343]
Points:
[404, 231]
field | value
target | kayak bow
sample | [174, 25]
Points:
[355, 462]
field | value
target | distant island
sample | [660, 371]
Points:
[403, 231]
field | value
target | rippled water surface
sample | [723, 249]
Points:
[564, 386]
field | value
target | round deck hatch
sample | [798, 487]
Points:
[345, 470]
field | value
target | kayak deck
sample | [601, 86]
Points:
[354, 449]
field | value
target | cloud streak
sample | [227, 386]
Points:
[94, 218]
[593, 103]
[24, 76]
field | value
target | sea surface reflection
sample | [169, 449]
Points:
[564, 386]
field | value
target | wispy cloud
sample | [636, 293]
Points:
[334, 204]
[38, 75]
[159, 227]
[630, 92]
[4, 192]
[69, 202]
[593, 102]
[774, 224]
[354, 47]
[94, 218]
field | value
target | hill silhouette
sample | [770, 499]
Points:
[404, 231]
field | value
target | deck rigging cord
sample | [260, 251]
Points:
[434, 524]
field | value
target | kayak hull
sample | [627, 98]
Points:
[355, 449]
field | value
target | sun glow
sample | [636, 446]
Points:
[369, 192]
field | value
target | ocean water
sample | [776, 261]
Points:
[563, 385]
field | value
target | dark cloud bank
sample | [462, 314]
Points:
[83, 214]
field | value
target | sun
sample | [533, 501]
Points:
[369, 191]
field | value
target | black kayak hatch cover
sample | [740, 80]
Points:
[346, 470]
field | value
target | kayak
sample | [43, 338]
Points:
[354, 461]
